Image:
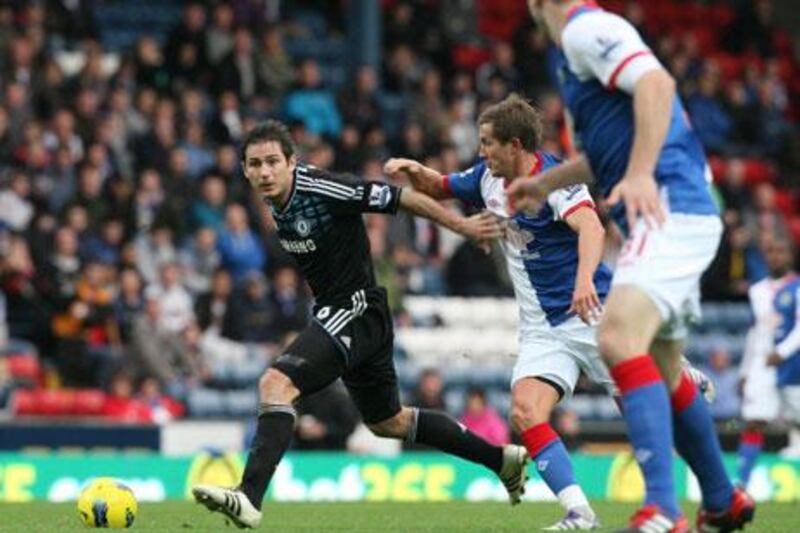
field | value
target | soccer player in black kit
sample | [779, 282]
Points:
[319, 222]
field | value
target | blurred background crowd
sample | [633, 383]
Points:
[140, 279]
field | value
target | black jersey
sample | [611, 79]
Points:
[322, 227]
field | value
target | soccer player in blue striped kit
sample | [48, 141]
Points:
[639, 148]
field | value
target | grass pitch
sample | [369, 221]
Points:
[378, 517]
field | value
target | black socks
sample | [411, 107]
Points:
[442, 431]
[273, 436]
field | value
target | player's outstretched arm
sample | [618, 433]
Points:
[424, 179]
[591, 238]
[653, 98]
[480, 228]
[528, 195]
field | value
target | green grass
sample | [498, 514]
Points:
[379, 517]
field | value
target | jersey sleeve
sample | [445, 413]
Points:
[607, 47]
[466, 185]
[348, 195]
[566, 201]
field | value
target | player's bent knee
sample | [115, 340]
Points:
[610, 343]
[532, 401]
[276, 387]
[395, 427]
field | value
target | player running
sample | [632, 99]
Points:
[319, 222]
[553, 259]
[639, 147]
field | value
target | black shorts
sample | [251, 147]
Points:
[354, 343]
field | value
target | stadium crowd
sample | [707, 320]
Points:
[134, 259]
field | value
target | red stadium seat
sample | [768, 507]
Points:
[24, 368]
[794, 228]
[23, 402]
[757, 171]
[469, 58]
[785, 202]
[89, 402]
[718, 166]
[55, 402]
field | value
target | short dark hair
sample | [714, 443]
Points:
[271, 130]
[514, 118]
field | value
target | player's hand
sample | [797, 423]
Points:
[740, 386]
[639, 193]
[774, 359]
[395, 167]
[586, 303]
[527, 195]
[482, 229]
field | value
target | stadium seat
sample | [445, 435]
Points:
[24, 368]
[205, 403]
[89, 402]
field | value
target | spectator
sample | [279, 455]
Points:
[154, 249]
[312, 104]
[480, 418]
[190, 30]
[250, 318]
[275, 67]
[200, 259]
[429, 393]
[291, 304]
[176, 312]
[60, 274]
[361, 106]
[16, 209]
[219, 36]
[325, 419]
[427, 107]
[726, 383]
[120, 405]
[211, 307]
[209, 209]
[238, 72]
[711, 121]
[199, 154]
[239, 247]
[106, 246]
[567, 424]
[160, 352]
[500, 67]
[162, 407]
[129, 303]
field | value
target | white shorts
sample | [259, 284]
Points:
[559, 354]
[760, 397]
[667, 262]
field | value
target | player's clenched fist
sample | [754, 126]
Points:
[527, 196]
[396, 166]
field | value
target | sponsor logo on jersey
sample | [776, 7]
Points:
[380, 196]
[299, 247]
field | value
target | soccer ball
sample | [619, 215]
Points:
[106, 502]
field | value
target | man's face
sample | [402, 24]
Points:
[779, 257]
[535, 7]
[268, 170]
[499, 156]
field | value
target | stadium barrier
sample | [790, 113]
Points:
[315, 476]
